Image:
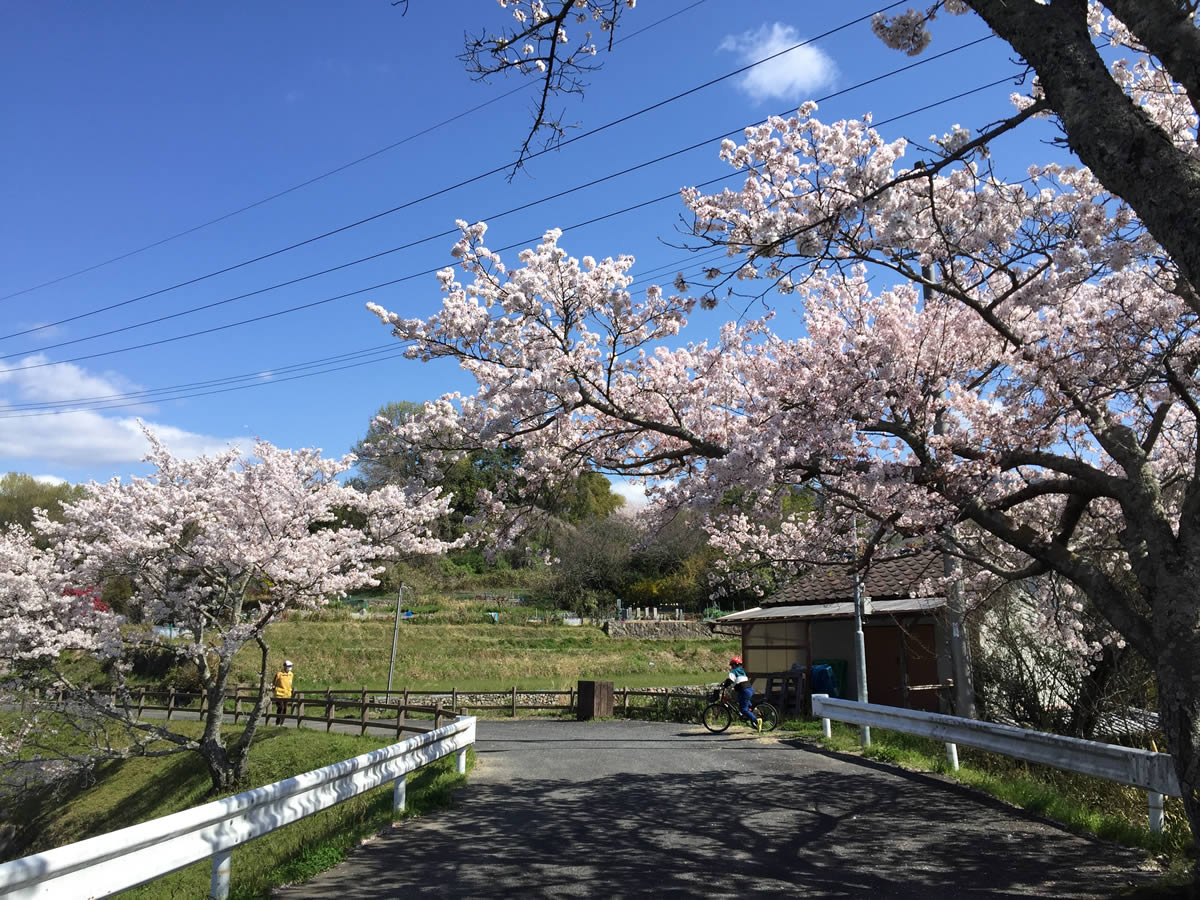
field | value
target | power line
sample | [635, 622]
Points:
[445, 190]
[177, 390]
[223, 390]
[322, 176]
[505, 248]
[150, 392]
[442, 234]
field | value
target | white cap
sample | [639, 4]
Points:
[287, 663]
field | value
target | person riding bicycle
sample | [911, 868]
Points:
[740, 682]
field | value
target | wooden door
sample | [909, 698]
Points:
[884, 683]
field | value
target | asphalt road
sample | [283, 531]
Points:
[631, 809]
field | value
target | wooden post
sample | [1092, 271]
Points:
[406, 695]
[237, 703]
[437, 714]
[454, 699]
[514, 701]
[203, 697]
[170, 702]
[625, 703]
[141, 701]
[328, 709]
[364, 710]
[299, 710]
[399, 721]
[571, 699]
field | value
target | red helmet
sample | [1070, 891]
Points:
[736, 661]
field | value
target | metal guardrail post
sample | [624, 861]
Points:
[826, 728]
[460, 762]
[952, 755]
[399, 793]
[1155, 800]
[222, 864]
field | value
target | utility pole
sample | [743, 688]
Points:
[960, 648]
[860, 644]
[395, 635]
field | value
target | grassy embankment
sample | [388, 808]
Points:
[1085, 805]
[137, 790]
[450, 644]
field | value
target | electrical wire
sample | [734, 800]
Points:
[431, 271]
[160, 394]
[323, 175]
[706, 142]
[468, 181]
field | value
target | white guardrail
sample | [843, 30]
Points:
[1152, 772]
[122, 859]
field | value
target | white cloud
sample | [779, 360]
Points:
[793, 76]
[634, 494]
[82, 438]
[49, 479]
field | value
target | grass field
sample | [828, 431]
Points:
[354, 651]
[136, 790]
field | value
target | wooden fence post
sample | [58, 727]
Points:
[399, 721]
[203, 697]
[514, 701]
[141, 701]
[170, 702]
[625, 704]
[328, 709]
[437, 714]
[237, 703]
[364, 710]
[300, 711]
[454, 700]
[571, 700]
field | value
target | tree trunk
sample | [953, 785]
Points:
[1178, 672]
[221, 769]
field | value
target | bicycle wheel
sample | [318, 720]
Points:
[769, 715]
[716, 717]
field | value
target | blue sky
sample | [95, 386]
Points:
[129, 123]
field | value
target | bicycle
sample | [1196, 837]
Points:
[721, 710]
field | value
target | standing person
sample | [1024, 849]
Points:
[740, 682]
[283, 690]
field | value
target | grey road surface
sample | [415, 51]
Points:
[651, 809]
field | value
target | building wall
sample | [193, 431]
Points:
[776, 646]
[773, 647]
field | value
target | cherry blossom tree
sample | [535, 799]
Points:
[1029, 368]
[220, 546]
[1030, 371]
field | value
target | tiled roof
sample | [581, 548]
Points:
[887, 579]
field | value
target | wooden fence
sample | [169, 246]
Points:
[399, 710]
[366, 708]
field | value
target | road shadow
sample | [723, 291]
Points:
[726, 834]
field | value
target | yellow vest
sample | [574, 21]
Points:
[283, 684]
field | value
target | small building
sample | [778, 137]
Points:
[810, 620]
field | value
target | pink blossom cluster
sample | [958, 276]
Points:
[198, 540]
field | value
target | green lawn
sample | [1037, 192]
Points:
[132, 791]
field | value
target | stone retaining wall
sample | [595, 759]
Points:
[658, 630]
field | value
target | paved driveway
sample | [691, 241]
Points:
[625, 809]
